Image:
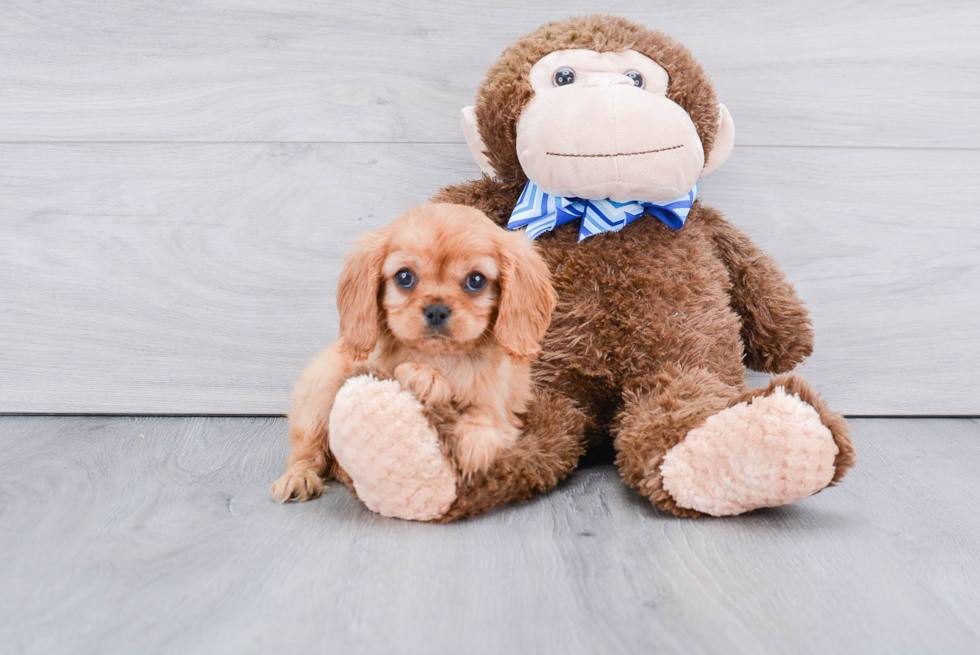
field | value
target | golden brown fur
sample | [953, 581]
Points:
[473, 368]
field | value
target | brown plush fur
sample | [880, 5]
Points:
[654, 327]
[506, 89]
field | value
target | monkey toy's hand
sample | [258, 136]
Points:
[429, 385]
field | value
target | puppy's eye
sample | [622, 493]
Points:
[636, 77]
[475, 282]
[405, 279]
[564, 76]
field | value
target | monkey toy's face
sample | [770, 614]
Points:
[600, 125]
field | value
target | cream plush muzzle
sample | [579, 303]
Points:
[603, 137]
[598, 142]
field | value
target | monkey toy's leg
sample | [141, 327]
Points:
[390, 455]
[695, 445]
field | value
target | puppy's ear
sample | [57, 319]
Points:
[526, 296]
[357, 295]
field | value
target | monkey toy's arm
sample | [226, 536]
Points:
[776, 328]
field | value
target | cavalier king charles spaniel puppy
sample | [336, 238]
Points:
[451, 306]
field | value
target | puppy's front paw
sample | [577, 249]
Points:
[428, 384]
[478, 444]
[297, 486]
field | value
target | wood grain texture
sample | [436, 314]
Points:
[157, 535]
[200, 278]
[887, 73]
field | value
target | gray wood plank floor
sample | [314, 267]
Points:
[122, 535]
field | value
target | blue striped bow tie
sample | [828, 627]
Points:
[540, 212]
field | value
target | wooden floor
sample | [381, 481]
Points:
[123, 535]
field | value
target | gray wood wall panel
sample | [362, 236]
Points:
[889, 73]
[157, 535]
[187, 271]
[183, 278]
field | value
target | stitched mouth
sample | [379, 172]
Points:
[617, 154]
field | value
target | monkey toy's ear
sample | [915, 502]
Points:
[724, 142]
[472, 133]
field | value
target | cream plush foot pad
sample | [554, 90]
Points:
[380, 436]
[770, 451]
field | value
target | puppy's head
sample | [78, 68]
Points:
[443, 278]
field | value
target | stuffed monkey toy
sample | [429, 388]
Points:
[592, 134]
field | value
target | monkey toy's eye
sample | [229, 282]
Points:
[405, 279]
[475, 282]
[636, 77]
[564, 76]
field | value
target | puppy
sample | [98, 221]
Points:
[450, 305]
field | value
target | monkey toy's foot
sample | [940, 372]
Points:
[381, 437]
[775, 446]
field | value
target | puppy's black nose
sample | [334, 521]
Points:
[436, 315]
